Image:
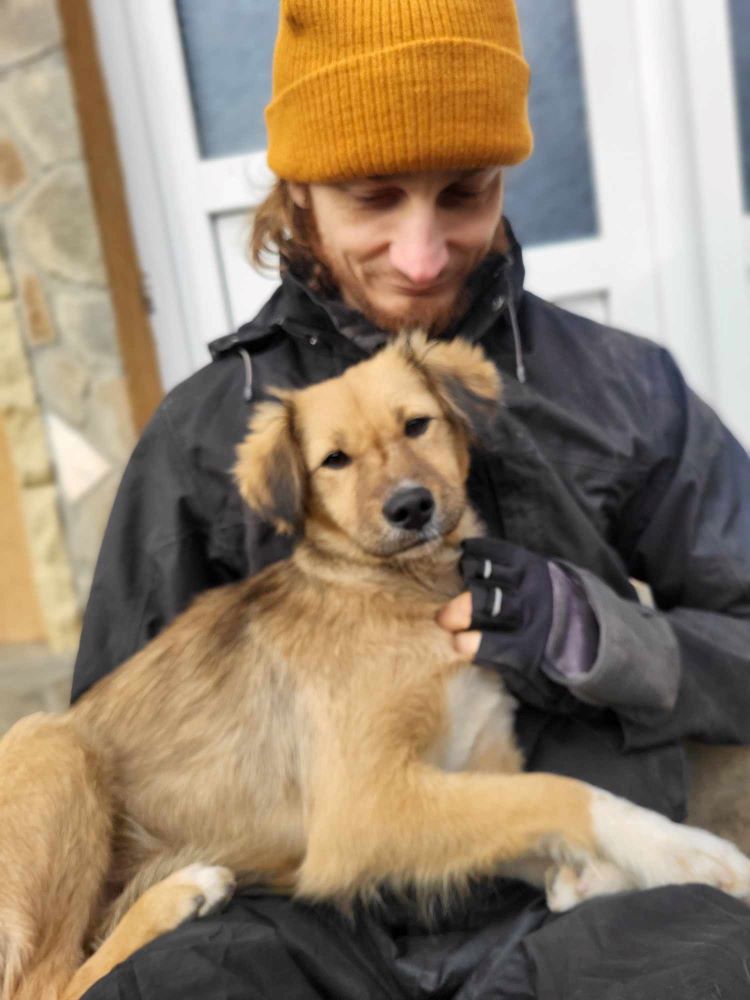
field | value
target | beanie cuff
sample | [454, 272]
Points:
[427, 105]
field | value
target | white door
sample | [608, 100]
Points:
[622, 213]
[717, 56]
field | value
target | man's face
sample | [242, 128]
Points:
[400, 248]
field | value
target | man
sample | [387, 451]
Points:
[389, 125]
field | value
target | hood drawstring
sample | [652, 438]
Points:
[518, 347]
[247, 393]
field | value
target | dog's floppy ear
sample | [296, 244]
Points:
[460, 376]
[270, 471]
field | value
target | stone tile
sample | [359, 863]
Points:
[110, 422]
[16, 390]
[6, 285]
[50, 562]
[40, 329]
[15, 706]
[39, 496]
[13, 173]
[20, 415]
[30, 666]
[87, 326]
[58, 229]
[86, 523]
[52, 698]
[79, 466]
[31, 456]
[27, 27]
[32, 679]
[38, 104]
[63, 383]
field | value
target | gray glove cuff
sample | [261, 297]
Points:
[574, 637]
[637, 665]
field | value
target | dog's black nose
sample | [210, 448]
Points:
[410, 508]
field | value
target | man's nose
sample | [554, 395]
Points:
[419, 249]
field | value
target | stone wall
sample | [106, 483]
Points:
[31, 461]
[62, 392]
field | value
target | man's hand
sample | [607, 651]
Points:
[505, 620]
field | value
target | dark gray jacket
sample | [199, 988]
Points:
[603, 458]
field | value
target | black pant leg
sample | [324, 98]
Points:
[260, 948]
[689, 942]
[270, 948]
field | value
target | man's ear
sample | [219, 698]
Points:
[459, 374]
[269, 471]
[299, 193]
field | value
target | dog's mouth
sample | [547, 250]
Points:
[428, 537]
[417, 542]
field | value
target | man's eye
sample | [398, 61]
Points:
[416, 427]
[455, 196]
[377, 199]
[336, 460]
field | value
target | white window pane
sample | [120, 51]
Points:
[550, 199]
[740, 13]
[245, 288]
[228, 47]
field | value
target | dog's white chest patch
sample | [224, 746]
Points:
[479, 718]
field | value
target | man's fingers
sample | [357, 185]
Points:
[467, 643]
[456, 615]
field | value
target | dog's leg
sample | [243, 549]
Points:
[194, 891]
[55, 831]
[423, 826]
[152, 871]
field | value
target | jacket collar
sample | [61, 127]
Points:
[295, 310]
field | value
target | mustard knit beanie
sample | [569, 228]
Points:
[367, 87]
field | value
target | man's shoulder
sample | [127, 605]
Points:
[613, 384]
[207, 397]
[214, 380]
[602, 361]
[226, 375]
[554, 326]
[207, 413]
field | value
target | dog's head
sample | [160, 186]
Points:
[375, 461]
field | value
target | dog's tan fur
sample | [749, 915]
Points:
[311, 728]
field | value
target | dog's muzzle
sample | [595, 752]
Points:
[409, 509]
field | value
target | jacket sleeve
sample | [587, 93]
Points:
[156, 555]
[681, 670]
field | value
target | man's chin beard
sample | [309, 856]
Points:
[422, 316]
[425, 316]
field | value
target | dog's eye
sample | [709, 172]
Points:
[413, 428]
[336, 460]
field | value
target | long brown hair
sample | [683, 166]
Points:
[285, 235]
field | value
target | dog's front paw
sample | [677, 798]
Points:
[656, 851]
[702, 857]
[566, 886]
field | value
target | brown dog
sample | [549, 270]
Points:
[312, 728]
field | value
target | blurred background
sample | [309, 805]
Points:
[131, 152]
